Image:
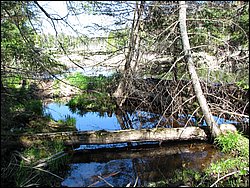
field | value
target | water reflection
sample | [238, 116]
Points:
[121, 119]
[88, 121]
[119, 168]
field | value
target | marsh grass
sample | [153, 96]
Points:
[98, 83]
[99, 102]
[68, 121]
[36, 166]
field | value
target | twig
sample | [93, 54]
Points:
[112, 174]
[22, 157]
[230, 174]
[105, 181]
[48, 172]
[46, 163]
[234, 113]
[192, 115]
[136, 181]
[50, 158]
[41, 170]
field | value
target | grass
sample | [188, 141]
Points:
[99, 102]
[99, 83]
[35, 166]
[233, 143]
[68, 121]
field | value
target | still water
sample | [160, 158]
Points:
[120, 166]
[87, 122]
[97, 121]
[137, 166]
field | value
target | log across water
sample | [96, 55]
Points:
[107, 137]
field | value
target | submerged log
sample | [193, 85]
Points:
[109, 137]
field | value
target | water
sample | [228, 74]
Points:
[137, 166]
[87, 122]
[94, 71]
[119, 166]
[91, 121]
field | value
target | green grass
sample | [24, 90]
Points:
[233, 143]
[25, 172]
[99, 83]
[99, 102]
[68, 121]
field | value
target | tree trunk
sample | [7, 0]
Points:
[215, 131]
[107, 137]
[132, 56]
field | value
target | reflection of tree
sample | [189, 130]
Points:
[139, 169]
[123, 118]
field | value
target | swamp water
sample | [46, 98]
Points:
[117, 165]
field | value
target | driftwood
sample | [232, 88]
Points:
[108, 137]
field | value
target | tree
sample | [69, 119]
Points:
[19, 52]
[195, 80]
[21, 59]
[131, 56]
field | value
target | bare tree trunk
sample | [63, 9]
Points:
[132, 55]
[214, 129]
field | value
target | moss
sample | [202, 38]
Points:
[101, 133]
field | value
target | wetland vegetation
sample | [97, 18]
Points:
[148, 85]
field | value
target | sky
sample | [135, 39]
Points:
[60, 8]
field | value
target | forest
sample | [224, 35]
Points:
[169, 72]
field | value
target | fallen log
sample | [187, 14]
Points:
[108, 137]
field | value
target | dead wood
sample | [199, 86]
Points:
[108, 137]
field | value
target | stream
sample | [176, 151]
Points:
[117, 165]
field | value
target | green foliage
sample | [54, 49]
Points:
[68, 121]
[243, 84]
[226, 166]
[34, 106]
[185, 177]
[237, 146]
[219, 26]
[13, 82]
[26, 175]
[20, 58]
[234, 143]
[98, 83]
[19, 112]
[99, 102]
[21, 62]
[117, 39]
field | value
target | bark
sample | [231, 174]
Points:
[215, 131]
[108, 137]
[132, 56]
